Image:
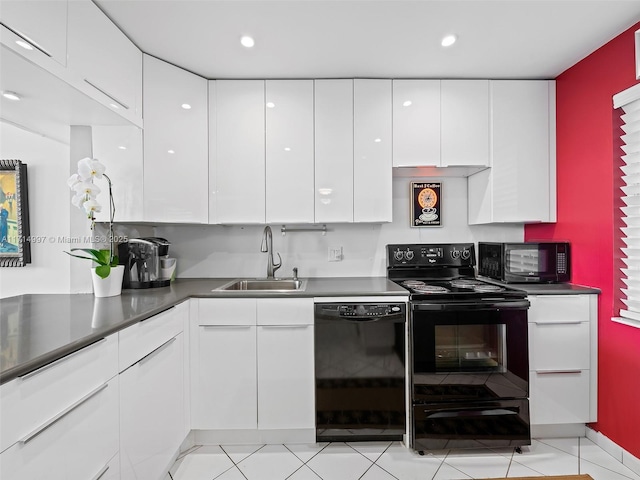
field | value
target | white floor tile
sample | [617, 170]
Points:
[306, 452]
[204, 464]
[338, 461]
[237, 453]
[304, 473]
[517, 470]
[447, 472]
[271, 462]
[568, 445]
[602, 473]
[406, 464]
[592, 453]
[546, 459]
[479, 464]
[231, 474]
[371, 450]
[377, 473]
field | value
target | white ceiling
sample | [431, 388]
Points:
[372, 38]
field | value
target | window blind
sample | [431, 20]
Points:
[631, 212]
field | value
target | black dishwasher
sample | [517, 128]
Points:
[360, 369]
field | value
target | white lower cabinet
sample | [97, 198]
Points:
[81, 442]
[253, 370]
[152, 412]
[563, 359]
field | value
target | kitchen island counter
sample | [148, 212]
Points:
[37, 329]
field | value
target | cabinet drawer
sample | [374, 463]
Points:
[227, 311]
[560, 397]
[142, 338]
[290, 311]
[559, 346]
[31, 400]
[559, 308]
[78, 444]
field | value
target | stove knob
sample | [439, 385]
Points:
[455, 253]
[398, 255]
[409, 255]
[466, 254]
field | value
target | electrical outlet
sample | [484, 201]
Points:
[335, 254]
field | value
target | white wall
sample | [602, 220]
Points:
[49, 199]
[234, 251]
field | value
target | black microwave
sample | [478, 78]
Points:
[526, 262]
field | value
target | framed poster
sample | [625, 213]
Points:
[15, 247]
[426, 204]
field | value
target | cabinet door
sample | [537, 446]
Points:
[152, 412]
[521, 157]
[559, 397]
[79, 444]
[416, 123]
[176, 159]
[224, 391]
[465, 122]
[333, 111]
[106, 63]
[237, 162]
[372, 201]
[559, 347]
[285, 377]
[42, 23]
[119, 148]
[289, 151]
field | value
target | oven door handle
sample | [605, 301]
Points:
[485, 304]
[468, 412]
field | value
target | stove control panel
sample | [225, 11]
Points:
[421, 255]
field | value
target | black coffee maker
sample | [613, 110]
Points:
[142, 258]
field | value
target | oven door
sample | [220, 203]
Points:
[464, 351]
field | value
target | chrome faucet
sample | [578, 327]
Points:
[267, 246]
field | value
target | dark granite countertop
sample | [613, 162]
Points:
[39, 329]
[547, 288]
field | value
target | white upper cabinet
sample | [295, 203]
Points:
[176, 171]
[416, 123]
[372, 200]
[464, 122]
[237, 151]
[520, 186]
[119, 148]
[333, 151]
[41, 23]
[103, 62]
[289, 151]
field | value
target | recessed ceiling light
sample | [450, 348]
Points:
[270, 104]
[407, 103]
[186, 106]
[25, 45]
[11, 95]
[247, 41]
[448, 40]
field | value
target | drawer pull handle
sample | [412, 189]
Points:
[62, 414]
[149, 356]
[155, 315]
[552, 372]
[56, 362]
[123, 105]
[574, 322]
[101, 473]
[227, 327]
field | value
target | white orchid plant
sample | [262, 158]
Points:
[86, 191]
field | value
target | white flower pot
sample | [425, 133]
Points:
[110, 286]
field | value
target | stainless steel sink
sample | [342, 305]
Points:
[266, 284]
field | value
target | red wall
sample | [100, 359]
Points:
[585, 173]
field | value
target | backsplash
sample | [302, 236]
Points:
[234, 251]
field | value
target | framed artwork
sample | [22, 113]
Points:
[15, 247]
[426, 204]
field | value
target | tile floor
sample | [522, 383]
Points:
[391, 460]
